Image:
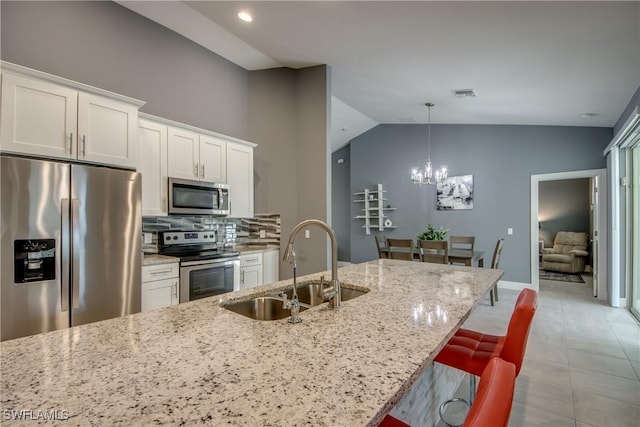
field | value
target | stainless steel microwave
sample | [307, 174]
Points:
[187, 197]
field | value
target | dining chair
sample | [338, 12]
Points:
[494, 399]
[400, 249]
[381, 246]
[471, 351]
[436, 251]
[493, 293]
[462, 242]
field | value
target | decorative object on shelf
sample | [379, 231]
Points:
[455, 193]
[432, 234]
[426, 177]
[374, 209]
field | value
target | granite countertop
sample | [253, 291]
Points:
[154, 259]
[198, 363]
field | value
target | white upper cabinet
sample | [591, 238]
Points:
[213, 159]
[173, 149]
[240, 179]
[152, 164]
[197, 156]
[38, 117]
[51, 117]
[184, 153]
[107, 130]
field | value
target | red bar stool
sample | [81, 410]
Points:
[471, 351]
[390, 421]
[494, 399]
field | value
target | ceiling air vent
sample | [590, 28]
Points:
[464, 93]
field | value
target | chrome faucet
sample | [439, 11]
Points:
[294, 304]
[332, 293]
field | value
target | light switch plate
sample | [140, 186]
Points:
[147, 237]
[263, 234]
[307, 234]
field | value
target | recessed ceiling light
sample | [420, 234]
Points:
[589, 115]
[245, 16]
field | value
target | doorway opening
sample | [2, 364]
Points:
[597, 218]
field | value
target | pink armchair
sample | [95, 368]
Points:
[569, 253]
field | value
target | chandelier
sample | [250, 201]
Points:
[426, 176]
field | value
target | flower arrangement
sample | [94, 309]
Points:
[433, 234]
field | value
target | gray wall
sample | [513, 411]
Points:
[563, 205]
[341, 196]
[501, 159]
[288, 118]
[108, 46]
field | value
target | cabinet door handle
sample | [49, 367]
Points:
[84, 145]
[175, 290]
[242, 277]
[161, 271]
[202, 170]
[71, 143]
[195, 170]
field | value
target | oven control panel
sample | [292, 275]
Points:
[188, 237]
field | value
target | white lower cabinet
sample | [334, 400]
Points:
[160, 286]
[250, 270]
[271, 266]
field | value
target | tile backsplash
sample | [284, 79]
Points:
[263, 229]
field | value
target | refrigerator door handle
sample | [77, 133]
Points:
[64, 251]
[75, 260]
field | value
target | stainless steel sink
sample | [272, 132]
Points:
[308, 293]
[263, 308]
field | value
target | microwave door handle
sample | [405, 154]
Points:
[64, 252]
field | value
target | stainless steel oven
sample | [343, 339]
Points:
[205, 270]
[205, 278]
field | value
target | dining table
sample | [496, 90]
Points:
[456, 256]
[467, 257]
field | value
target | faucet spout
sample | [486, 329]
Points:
[332, 294]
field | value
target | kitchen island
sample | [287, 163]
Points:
[199, 363]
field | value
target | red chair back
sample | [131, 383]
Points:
[515, 342]
[494, 398]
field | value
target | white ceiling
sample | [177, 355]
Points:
[531, 63]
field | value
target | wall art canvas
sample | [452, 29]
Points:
[455, 192]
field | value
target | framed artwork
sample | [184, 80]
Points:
[455, 192]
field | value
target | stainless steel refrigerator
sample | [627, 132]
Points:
[70, 250]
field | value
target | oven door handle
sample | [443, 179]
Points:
[210, 263]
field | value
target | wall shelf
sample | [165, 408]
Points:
[374, 211]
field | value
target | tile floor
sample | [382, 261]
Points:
[582, 364]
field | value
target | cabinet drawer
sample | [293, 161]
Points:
[160, 272]
[253, 258]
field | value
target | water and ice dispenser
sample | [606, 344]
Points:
[34, 260]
